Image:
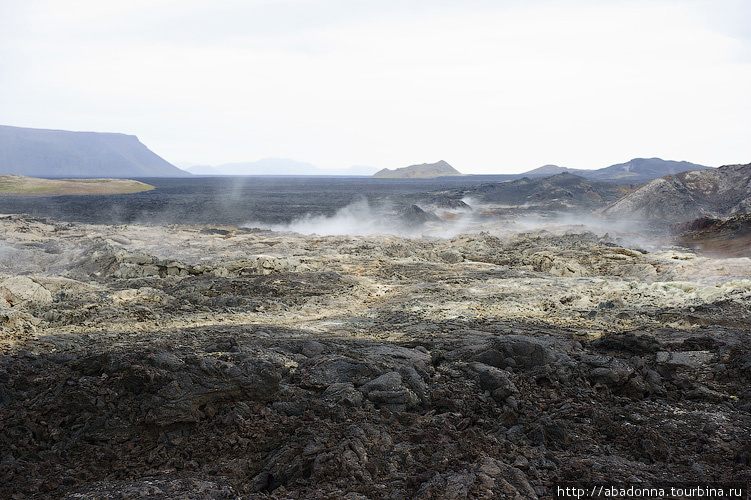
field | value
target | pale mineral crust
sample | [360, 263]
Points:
[197, 362]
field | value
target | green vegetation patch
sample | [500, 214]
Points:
[22, 185]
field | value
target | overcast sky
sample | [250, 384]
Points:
[498, 86]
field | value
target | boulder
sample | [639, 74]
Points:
[414, 216]
[21, 291]
[494, 380]
[528, 352]
[322, 371]
[190, 390]
[389, 391]
[343, 394]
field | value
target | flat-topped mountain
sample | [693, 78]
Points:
[636, 171]
[722, 192]
[61, 153]
[422, 171]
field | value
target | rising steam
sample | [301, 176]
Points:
[362, 218]
[356, 219]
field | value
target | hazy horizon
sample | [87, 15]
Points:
[342, 171]
[490, 87]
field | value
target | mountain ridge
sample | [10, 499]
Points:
[64, 153]
[563, 191]
[634, 171]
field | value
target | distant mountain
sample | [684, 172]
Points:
[721, 192]
[268, 166]
[546, 170]
[356, 170]
[641, 170]
[202, 170]
[636, 171]
[61, 153]
[423, 171]
[557, 192]
[275, 166]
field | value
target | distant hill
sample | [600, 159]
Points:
[636, 171]
[357, 170]
[721, 192]
[547, 170]
[268, 166]
[275, 166]
[201, 170]
[61, 153]
[423, 171]
[641, 170]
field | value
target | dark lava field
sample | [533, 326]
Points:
[501, 360]
[194, 362]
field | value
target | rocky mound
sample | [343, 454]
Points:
[729, 238]
[422, 171]
[414, 216]
[719, 193]
[60, 153]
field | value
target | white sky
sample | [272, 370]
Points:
[497, 86]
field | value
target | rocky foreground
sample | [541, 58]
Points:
[216, 362]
